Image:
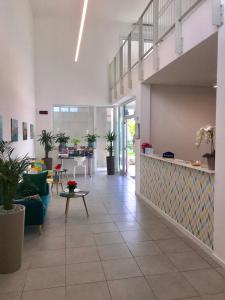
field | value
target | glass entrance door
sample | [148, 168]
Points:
[126, 139]
[130, 147]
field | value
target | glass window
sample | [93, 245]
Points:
[64, 109]
[73, 109]
[129, 109]
[56, 109]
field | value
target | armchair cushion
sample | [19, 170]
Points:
[38, 180]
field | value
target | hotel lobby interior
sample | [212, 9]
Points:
[112, 144]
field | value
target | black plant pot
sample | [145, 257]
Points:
[48, 163]
[110, 160]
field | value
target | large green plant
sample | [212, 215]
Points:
[110, 138]
[61, 138]
[47, 140]
[11, 170]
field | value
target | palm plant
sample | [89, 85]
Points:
[110, 138]
[11, 170]
[47, 140]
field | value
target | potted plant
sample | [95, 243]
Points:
[75, 142]
[110, 159]
[47, 140]
[12, 215]
[91, 140]
[207, 135]
[62, 139]
[71, 185]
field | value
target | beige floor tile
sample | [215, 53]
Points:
[173, 246]
[114, 251]
[122, 217]
[188, 261]
[108, 238]
[45, 278]
[84, 273]
[82, 254]
[214, 297]
[221, 271]
[121, 268]
[171, 286]
[155, 264]
[135, 236]
[80, 240]
[130, 289]
[52, 243]
[48, 258]
[104, 227]
[10, 296]
[144, 248]
[126, 226]
[90, 291]
[161, 233]
[206, 281]
[95, 219]
[46, 294]
[12, 282]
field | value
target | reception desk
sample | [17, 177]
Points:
[183, 192]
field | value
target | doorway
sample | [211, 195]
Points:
[127, 139]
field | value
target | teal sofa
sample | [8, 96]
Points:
[36, 206]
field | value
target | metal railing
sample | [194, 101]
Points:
[157, 20]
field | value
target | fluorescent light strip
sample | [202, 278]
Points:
[81, 29]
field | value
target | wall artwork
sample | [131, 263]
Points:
[14, 130]
[31, 131]
[1, 128]
[24, 126]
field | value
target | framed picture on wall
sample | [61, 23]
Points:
[24, 126]
[31, 131]
[14, 130]
[1, 128]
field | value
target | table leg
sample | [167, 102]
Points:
[67, 208]
[85, 205]
[57, 188]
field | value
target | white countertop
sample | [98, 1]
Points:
[179, 162]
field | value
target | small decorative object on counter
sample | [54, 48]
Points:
[145, 146]
[71, 185]
[207, 135]
[196, 163]
[168, 154]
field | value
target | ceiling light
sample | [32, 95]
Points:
[81, 29]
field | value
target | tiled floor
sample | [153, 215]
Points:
[123, 251]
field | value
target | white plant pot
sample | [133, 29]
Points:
[11, 238]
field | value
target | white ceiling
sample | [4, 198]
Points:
[101, 16]
[198, 67]
[56, 27]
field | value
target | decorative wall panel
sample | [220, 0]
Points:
[185, 194]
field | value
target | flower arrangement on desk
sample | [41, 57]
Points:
[145, 146]
[71, 185]
[206, 135]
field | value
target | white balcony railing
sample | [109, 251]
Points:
[157, 20]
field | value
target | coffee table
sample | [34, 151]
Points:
[68, 196]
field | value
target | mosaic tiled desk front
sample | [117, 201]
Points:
[185, 194]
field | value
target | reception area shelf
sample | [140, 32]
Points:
[183, 192]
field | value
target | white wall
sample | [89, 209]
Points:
[177, 112]
[17, 97]
[219, 219]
